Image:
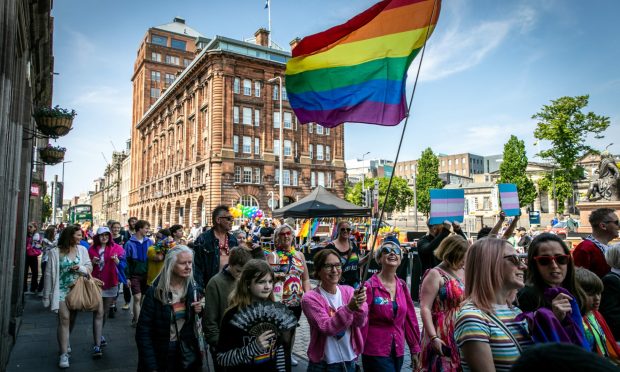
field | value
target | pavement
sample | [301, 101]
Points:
[36, 348]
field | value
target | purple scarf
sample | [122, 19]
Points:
[545, 327]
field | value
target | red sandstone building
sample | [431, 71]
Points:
[210, 134]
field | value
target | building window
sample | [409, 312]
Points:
[284, 95]
[247, 174]
[311, 151]
[287, 120]
[321, 179]
[295, 178]
[276, 120]
[329, 180]
[463, 161]
[237, 174]
[257, 89]
[186, 62]
[172, 60]
[443, 163]
[319, 152]
[169, 79]
[257, 146]
[247, 116]
[312, 179]
[275, 91]
[155, 92]
[236, 114]
[287, 148]
[178, 44]
[276, 147]
[237, 85]
[309, 127]
[247, 87]
[159, 40]
[327, 131]
[155, 57]
[286, 177]
[247, 145]
[257, 176]
[319, 129]
[236, 143]
[155, 76]
[327, 153]
[256, 118]
[248, 201]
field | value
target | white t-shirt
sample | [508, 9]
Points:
[337, 348]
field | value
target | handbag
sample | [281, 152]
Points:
[85, 294]
[187, 350]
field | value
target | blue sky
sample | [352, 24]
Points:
[489, 66]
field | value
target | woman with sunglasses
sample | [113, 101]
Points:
[335, 314]
[349, 254]
[291, 272]
[486, 330]
[551, 283]
[392, 319]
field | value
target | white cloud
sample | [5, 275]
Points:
[461, 47]
[108, 98]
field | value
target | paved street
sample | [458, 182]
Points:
[36, 349]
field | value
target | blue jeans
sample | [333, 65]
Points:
[334, 367]
[391, 363]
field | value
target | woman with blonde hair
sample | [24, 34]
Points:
[165, 329]
[488, 336]
[441, 294]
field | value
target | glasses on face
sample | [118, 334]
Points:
[227, 218]
[515, 260]
[285, 234]
[388, 250]
[560, 259]
[330, 267]
[345, 229]
[615, 222]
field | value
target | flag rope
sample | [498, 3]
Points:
[400, 143]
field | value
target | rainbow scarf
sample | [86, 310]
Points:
[357, 71]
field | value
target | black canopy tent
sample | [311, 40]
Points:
[321, 203]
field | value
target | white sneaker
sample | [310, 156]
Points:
[64, 361]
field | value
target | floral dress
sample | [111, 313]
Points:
[66, 276]
[288, 270]
[446, 304]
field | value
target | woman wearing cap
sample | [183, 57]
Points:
[108, 259]
[392, 319]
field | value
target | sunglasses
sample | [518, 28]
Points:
[615, 222]
[345, 229]
[330, 267]
[560, 259]
[287, 233]
[388, 250]
[515, 260]
[229, 218]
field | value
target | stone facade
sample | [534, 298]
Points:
[113, 177]
[210, 138]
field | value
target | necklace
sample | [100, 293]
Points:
[224, 247]
[284, 257]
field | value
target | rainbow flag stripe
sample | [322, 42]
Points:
[357, 71]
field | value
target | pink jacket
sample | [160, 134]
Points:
[108, 274]
[322, 325]
[383, 327]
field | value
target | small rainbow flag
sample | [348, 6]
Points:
[447, 205]
[303, 232]
[315, 227]
[509, 198]
[357, 71]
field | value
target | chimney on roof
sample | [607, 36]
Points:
[262, 37]
[294, 43]
[178, 20]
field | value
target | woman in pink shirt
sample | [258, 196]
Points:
[335, 314]
[392, 319]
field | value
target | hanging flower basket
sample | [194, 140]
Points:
[52, 154]
[54, 122]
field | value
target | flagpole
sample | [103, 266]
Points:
[400, 143]
[269, 16]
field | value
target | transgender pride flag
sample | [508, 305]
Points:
[509, 198]
[447, 205]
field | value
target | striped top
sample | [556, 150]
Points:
[472, 324]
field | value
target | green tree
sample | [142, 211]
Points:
[567, 127]
[427, 178]
[401, 195]
[46, 209]
[512, 170]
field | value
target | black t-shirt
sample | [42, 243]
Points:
[266, 232]
[350, 264]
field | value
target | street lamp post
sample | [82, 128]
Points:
[415, 195]
[281, 150]
[364, 176]
[271, 204]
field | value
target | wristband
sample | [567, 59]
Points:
[434, 337]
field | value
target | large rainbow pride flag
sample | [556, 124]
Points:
[357, 71]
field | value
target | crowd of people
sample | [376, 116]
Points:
[492, 304]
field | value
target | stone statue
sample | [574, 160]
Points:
[604, 184]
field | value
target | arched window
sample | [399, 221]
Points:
[248, 201]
